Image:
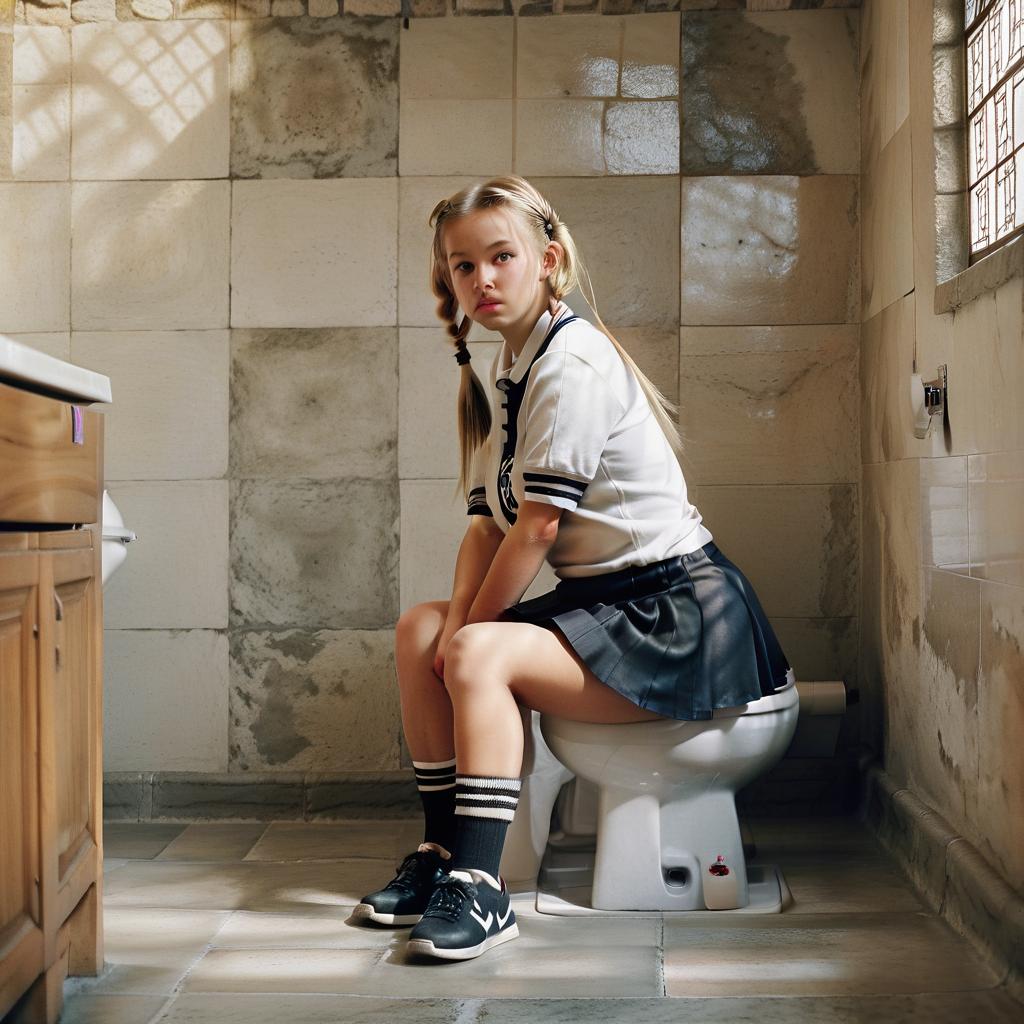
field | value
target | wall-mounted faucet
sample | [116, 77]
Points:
[927, 399]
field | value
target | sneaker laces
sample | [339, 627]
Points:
[409, 872]
[449, 896]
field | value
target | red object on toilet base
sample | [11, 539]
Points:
[720, 889]
[719, 867]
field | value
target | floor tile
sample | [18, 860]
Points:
[247, 929]
[820, 954]
[246, 1008]
[109, 1009]
[336, 971]
[141, 840]
[272, 887]
[149, 950]
[840, 883]
[550, 958]
[991, 1005]
[213, 841]
[298, 841]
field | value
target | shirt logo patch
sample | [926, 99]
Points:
[505, 495]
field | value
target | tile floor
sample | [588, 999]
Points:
[247, 923]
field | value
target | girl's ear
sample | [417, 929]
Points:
[550, 259]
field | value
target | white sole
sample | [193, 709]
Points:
[427, 947]
[365, 910]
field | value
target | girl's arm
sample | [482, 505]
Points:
[516, 562]
[482, 539]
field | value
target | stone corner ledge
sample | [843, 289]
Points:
[949, 872]
[982, 905]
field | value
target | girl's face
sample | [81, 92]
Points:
[497, 273]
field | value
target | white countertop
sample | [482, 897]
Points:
[23, 366]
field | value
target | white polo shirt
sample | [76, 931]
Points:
[572, 427]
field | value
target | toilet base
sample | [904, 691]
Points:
[565, 885]
[683, 854]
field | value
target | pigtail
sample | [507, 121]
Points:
[473, 408]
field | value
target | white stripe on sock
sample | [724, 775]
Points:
[482, 783]
[487, 812]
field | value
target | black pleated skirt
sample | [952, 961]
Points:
[678, 637]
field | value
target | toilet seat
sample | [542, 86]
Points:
[659, 731]
[786, 696]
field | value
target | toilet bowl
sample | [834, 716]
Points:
[116, 538]
[558, 817]
[668, 836]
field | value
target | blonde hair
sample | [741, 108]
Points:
[518, 196]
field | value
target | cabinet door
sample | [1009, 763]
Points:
[21, 931]
[69, 727]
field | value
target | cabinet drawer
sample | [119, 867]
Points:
[50, 459]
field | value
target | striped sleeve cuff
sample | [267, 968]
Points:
[478, 503]
[553, 489]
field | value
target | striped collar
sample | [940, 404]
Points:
[518, 369]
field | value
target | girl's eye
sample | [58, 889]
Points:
[459, 266]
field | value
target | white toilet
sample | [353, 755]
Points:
[116, 538]
[667, 800]
[661, 795]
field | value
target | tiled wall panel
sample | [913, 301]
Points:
[228, 217]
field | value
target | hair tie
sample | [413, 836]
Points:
[461, 352]
[549, 229]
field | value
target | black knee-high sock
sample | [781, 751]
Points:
[484, 806]
[436, 782]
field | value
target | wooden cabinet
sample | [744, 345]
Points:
[21, 918]
[51, 846]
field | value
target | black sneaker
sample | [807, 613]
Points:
[404, 898]
[469, 912]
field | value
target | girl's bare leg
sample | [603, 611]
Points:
[426, 707]
[493, 667]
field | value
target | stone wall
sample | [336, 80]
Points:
[942, 670]
[64, 12]
[227, 215]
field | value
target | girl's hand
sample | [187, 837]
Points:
[451, 627]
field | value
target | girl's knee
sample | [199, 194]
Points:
[424, 619]
[472, 657]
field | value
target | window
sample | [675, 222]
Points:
[994, 103]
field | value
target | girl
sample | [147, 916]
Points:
[648, 620]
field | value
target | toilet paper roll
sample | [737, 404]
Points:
[818, 698]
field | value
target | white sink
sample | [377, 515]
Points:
[24, 366]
